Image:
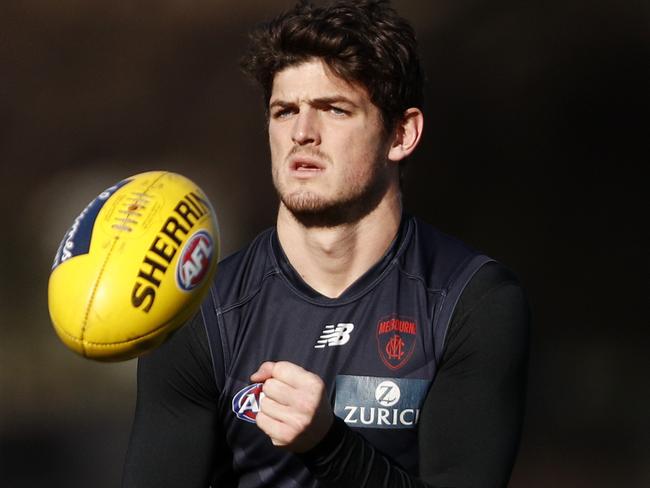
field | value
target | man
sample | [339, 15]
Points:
[352, 345]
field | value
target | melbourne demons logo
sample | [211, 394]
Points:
[246, 402]
[194, 261]
[396, 340]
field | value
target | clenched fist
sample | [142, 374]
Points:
[295, 412]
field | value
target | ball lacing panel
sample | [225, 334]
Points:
[131, 207]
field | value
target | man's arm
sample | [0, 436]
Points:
[474, 411]
[470, 423]
[174, 436]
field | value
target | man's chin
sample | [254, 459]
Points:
[312, 211]
[304, 201]
[317, 213]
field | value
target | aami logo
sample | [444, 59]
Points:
[379, 403]
[246, 402]
[194, 261]
[396, 340]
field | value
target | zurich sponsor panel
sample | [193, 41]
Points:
[379, 403]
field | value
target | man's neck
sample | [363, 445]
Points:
[331, 259]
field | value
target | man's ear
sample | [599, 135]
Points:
[406, 134]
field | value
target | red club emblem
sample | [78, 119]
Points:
[395, 348]
[396, 340]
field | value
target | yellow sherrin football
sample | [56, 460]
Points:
[134, 266]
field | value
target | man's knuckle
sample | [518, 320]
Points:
[269, 385]
[279, 369]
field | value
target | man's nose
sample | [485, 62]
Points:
[305, 129]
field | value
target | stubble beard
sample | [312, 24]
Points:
[357, 201]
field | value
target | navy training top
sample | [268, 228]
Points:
[378, 347]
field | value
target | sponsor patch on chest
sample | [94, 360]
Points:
[246, 402]
[379, 403]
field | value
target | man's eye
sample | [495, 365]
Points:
[338, 111]
[282, 113]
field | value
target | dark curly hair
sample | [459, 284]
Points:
[365, 42]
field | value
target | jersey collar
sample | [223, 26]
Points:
[366, 282]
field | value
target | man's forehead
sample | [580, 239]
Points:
[311, 80]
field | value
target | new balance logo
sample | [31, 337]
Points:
[334, 335]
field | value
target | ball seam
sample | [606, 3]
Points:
[94, 292]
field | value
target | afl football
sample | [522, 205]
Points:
[134, 266]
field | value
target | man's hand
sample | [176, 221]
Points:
[295, 412]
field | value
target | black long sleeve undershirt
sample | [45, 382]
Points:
[469, 426]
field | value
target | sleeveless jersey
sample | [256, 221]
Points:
[376, 346]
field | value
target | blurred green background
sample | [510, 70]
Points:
[536, 134]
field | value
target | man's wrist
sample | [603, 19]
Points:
[328, 445]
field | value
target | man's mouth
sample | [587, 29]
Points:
[306, 165]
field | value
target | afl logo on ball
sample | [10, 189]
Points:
[246, 402]
[194, 261]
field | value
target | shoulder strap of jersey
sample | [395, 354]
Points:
[450, 298]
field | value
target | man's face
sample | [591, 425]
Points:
[328, 146]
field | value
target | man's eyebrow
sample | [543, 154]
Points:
[320, 101]
[280, 103]
[331, 100]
